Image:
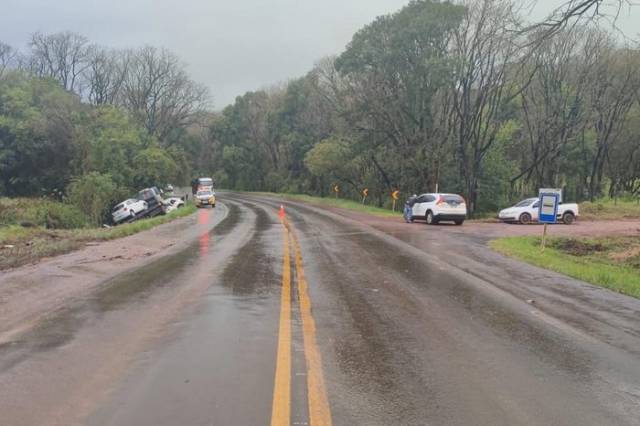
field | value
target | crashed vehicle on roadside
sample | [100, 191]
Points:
[156, 204]
[173, 203]
[128, 210]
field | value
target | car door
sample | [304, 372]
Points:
[420, 207]
[533, 209]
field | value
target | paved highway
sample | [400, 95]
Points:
[253, 318]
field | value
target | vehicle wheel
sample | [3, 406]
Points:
[431, 220]
[525, 218]
[568, 218]
[458, 222]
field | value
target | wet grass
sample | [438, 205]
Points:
[22, 245]
[338, 202]
[609, 209]
[612, 262]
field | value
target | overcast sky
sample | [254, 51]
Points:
[232, 46]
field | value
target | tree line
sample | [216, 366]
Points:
[92, 124]
[463, 97]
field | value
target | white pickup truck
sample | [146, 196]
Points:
[526, 211]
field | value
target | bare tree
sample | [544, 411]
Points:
[105, 75]
[574, 12]
[486, 53]
[623, 164]
[8, 57]
[157, 89]
[62, 56]
[615, 85]
[553, 102]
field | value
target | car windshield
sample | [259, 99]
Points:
[525, 203]
[204, 194]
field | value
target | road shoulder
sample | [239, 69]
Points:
[29, 292]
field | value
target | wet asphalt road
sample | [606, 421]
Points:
[383, 325]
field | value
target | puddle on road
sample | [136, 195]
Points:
[250, 271]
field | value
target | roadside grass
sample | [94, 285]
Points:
[612, 262]
[609, 209]
[34, 212]
[21, 245]
[338, 202]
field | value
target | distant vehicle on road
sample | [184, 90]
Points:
[201, 184]
[435, 208]
[173, 203]
[526, 211]
[168, 188]
[128, 209]
[205, 198]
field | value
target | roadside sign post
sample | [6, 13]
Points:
[336, 189]
[365, 194]
[395, 197]
[547, 212]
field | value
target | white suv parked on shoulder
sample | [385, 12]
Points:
[434, 208]
[128, 209]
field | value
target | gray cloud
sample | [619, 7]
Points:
[231, 46]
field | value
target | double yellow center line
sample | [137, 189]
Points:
[319, 411]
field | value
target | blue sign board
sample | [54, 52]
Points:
[548, 209]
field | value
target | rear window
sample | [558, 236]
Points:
[453, 198]
[118, 207]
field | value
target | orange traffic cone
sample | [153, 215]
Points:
[281, 212]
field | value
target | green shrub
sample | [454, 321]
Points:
[94, 194]
[40, 212]
[55, 215]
